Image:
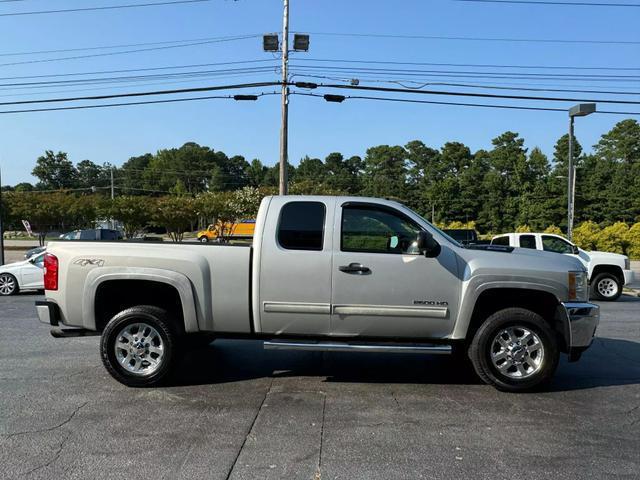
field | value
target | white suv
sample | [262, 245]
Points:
[608, 272]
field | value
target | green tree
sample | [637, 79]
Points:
[310, 169]
[55, 171]
[134, 212]
[91, 175]
[175, 214]
[385, 172]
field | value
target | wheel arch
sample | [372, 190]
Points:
[614, 270]
[108, 292]
[542, 302]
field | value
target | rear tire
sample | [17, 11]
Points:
[515, 350]
[139, 346]
[606, 287]
[8, 285]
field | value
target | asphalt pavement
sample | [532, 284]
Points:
[236, 411]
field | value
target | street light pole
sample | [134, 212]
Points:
[580, 110]
[570, 182]
[284, 129]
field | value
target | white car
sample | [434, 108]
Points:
[608, 272]
[25, 275]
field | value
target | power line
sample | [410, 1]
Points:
[104, 47]
[90, 81]
[510, 107]
[475, 39]
[438, 80]
[468, 85]
[128, 70]
[124, 52]
[144, 94]
[520, 75]
[480, 65]
[544, 2]
[109, 7]
[480, 95]
[109, 105]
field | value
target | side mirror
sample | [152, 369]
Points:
[575, 250]
[427, 245]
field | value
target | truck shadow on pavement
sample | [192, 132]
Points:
[609, 362]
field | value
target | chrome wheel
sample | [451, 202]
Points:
[517, 352]
[7, 284]
[607, 287]
[139, 349]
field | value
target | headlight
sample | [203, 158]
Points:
[578, 288]
[627, 263]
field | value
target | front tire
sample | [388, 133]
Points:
[8, 285]
[138, 346]
[606, 287]
[203, 239]
[515, 350]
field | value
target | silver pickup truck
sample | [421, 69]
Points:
[330, 274]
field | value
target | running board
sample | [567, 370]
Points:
[73, 332]
[357, 347]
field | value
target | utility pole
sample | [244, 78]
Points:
[284, 129]
[113, 223]
[1, 228]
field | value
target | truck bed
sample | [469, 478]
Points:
[222, 270]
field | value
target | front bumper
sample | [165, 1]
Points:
[631, 279]
[583, 319]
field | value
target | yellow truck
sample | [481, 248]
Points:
[241, 230]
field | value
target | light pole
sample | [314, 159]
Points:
[580, 110]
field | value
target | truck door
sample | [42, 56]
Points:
[382, 286]
[295, 267]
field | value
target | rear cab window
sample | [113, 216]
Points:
[301, 226]
[528, 241]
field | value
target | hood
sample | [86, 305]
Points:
[522, 259]
[609, 255]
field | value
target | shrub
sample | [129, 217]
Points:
[523, 229]
[614, 238]
[633, 239]
[553, 229]
[586, 235]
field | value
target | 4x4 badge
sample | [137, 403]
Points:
[95, 262]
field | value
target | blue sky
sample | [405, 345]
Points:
[316, 127]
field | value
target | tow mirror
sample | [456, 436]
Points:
[427, 245]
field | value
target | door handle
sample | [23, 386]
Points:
[355, 268]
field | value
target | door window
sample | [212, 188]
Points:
[528, 241]
[301, 226]
[377, 230]
[556, 244]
